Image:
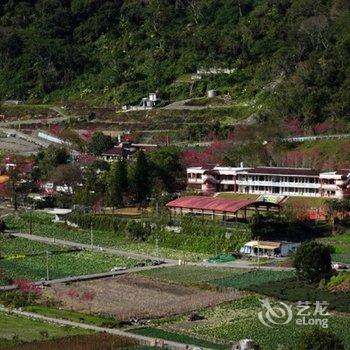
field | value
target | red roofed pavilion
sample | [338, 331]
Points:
[218, 206]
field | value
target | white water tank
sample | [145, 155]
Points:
[212, 93]
[246, 344]
[153, 96]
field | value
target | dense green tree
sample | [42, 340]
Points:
[99, 143]
[50, 158]
[313, 261]
[166, 166]
[292, 55]
[320, 339]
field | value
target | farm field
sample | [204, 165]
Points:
[228, 322]
[12, 246]
[191, 275]
[16, 328]
[254, 277]
[62, 264]
[182, 338]
[44, 227]
[129, 296]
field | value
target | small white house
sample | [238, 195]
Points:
[268, 248]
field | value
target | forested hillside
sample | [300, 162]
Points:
[291, 56]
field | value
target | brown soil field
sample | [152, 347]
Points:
[130, 296]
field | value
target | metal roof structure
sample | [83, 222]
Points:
[218, 204]
[263, 244]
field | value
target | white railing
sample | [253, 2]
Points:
[278, 184]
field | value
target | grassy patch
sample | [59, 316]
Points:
[177, 337]
[96, 320]
[340, 242]
[24, 329]
[238, 196]
[308, 202]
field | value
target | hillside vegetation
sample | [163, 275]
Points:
[291, 57]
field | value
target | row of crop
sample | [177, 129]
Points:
[229, 321]
[194, 236]
[62, 265]
[10, 246]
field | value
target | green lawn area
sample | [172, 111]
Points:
[341, 243]
[62, 265]
[25, 329]
[182, 338]
[307, 202]
[191, 275]
[238, 196]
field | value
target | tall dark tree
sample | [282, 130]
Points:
[118, 183]
[141, 178]
[313, 261]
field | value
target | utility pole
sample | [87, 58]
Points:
[258, 253]
[91, 236]
[31, 222]
[157, 246]
[47, 266]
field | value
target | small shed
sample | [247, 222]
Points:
[60, 214]
[268, 248]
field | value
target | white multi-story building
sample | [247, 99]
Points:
[270, 180]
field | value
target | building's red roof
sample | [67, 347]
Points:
[217, 204]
